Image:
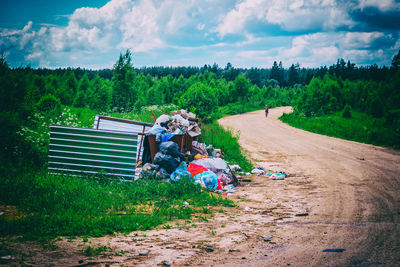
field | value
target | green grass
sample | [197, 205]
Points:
[227, 141]
[50, 206]
[42, 206]
[361, 127]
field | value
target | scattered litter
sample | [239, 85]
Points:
[302, 214]
[361, 158]
[278, 176]
[8, 257]
[229, 188]
[234, 250]
[334, 250]
[266, 212]
[235, 168]
[267, 238]
[143, 254]
[164, 263]
[186, 203]
[245, 180]
[209, 249]
[138, 172]
[258, 171]
[247, 209]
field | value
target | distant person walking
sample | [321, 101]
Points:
[266, 111]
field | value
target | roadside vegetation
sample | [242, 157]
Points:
[48, 206]
[359, 104]
[367, 112]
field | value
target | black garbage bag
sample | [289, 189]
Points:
[167, 161]
[171, 148]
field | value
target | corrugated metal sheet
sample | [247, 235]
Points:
[115, 124]
[81, 150]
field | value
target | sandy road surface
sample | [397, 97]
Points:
[350, 191]
[353, 198]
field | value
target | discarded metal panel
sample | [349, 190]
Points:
[116, 124]
[81, 150]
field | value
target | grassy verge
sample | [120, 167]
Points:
[219, 137]
[39, 205]
[44, 205]
[361, 127]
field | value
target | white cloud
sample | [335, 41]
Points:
[9, 33]
[296, 15]
[200, 26]
[361, 40]
[235, 20]
[383, 5]
[324, 48]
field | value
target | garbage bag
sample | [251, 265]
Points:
[213, 164]
[171, 148]
[211, 151]
[195, 169]
[156, 129]
[148, 171]
[207, 179]
[167, 161]
[162, 174]
[180, 173]
[224, 178]
[162, 119]
[166, 137]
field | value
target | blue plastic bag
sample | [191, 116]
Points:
[180, 173]
[206, 179]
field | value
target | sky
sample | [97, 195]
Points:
[246, 33]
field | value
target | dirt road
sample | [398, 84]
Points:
[350, 191]
[352, 194]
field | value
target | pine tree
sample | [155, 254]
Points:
[124, 93]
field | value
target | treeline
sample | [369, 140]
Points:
[274, 76]
[129, 89]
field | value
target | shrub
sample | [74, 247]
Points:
[347, 112]
[200, 99]
[49, 104]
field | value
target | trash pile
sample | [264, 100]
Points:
[180, 122]
[184, 158]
